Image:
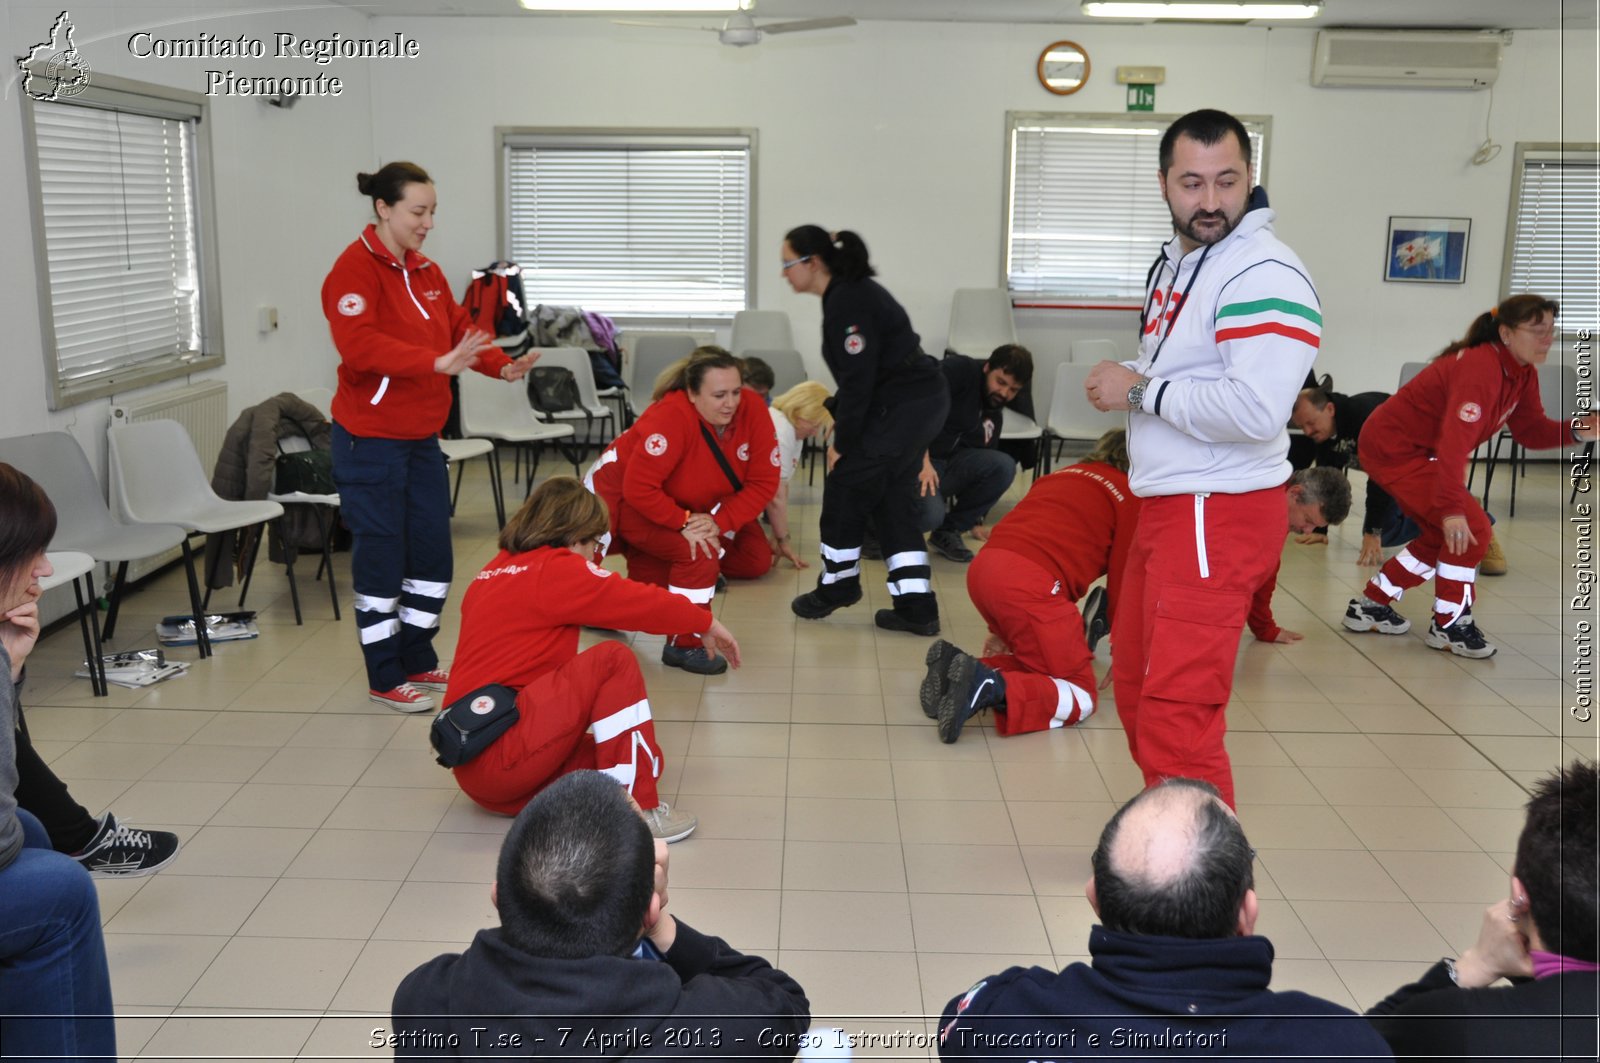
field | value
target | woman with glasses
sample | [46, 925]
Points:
[890, 403]
[1416, 447]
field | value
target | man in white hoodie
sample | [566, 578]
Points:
[1230, 327]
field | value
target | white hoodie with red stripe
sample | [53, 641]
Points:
[1229, 333]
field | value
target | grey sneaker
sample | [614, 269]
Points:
[116, 851]
[1362, 614]
[1095, 626]
[935, 683]
[670, 824]
[696, 659]
[1461, 638]
[949, 543]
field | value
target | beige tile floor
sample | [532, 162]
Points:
[326, 854]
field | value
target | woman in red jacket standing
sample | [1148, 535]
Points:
[697, 469]
[400, 335]
[519, 628]
[1416, 446]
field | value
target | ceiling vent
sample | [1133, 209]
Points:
[1430, 60]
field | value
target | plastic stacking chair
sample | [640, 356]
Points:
[155, 472]
[755, 331]
[980, 321]
[788, 367]
[590, 409]
[84, 524]
[1072, 415]
[1093, 352]
[325, 506]
[648, 354]
[491, 409]
[70, 566]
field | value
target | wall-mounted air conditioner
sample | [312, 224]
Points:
[1407, 59]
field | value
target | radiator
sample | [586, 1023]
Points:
[202, 409]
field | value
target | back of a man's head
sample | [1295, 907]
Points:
[576, 871]
[1557, 860]
[1173, 862]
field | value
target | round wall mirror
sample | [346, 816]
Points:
[1064, 67]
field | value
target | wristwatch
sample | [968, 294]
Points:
[1136, 395]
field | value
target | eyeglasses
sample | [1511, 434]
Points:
[793, 262]
[1548, 328]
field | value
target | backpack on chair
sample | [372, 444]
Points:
[552, 389]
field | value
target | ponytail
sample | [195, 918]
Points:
[1516, 310]
[844, 253]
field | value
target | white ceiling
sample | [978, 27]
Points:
[1395, 14]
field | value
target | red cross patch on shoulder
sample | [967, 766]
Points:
[744, 452]
[854, 341]
[656, 445]
[1470, 412]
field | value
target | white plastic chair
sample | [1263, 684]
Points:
[156, 474]
[1072, 416]
[1092, 352]
[590, 409]
[648, 354]
[1409, 370]
[755, 331]
[325, 505]
[788, 367]
[70, 566]
[84, 523]
[980, 321]
[493, 409]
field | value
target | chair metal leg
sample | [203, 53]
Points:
[294, 587]
[110, 625]
[456, 495]
[201, 640]
[325, 531]
[1488, 470]
[252, 546]
[89, 621]
[496, 486]
[1518, 453]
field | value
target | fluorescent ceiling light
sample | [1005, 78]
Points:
[1199, 12]
[632, 5]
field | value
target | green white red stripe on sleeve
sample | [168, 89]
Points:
[1260, 317]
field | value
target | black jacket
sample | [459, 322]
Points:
[1552, 1018]
[972, 422]
[1350, 413]
[875, 358]
[496, 1001]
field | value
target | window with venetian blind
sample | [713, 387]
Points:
[1553, 231]
[633, 225]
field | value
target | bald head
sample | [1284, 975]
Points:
[1174, 862]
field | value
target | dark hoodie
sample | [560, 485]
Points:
[495, 1001]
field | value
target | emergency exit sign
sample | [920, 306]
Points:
[1141, 97]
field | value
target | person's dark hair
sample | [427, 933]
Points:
[688, 372]
[389, 183]
[1557, 861]
[842, 252]
[560, 512]
[1015, 359]
[1317, 397]
[577, 870]
[1324, 487]
[1202, 899]
[1206, 126]
[27, 524]
[1516, 310]
[758, 374]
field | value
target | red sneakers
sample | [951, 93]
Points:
[437, 679]
[404, 698]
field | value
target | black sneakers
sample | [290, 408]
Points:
[1461, 638]
[935, 683]
[116, 851]
[1095, 624]
[813, 606]
[1363, 614]
[696, 659]
[895, 620]
[973, 686]
[949, 543]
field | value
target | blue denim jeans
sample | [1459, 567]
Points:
[973, 479]
[394, 496]
[55, 988]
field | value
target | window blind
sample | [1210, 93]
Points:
[631, 225]
[1085, 216]
[1555, 249]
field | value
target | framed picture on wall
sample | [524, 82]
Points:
[1427, 250]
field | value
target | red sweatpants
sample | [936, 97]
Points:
[748, 555]
[589, 713]
[1411, 484]
[1194, 566]
[661, 556]
[1049, 672]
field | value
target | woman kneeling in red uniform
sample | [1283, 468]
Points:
[696, 470]
[519, 627]
[1416, 447]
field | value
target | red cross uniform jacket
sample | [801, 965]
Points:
[671, 467]
[1444, 412]
[521, 615]
[389, 323]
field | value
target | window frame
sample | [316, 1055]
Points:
[122, 95]
[1513, 210]
[1110, 119]
[630, 137]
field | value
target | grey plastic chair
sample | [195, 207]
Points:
[495, 410]
[755, 331]
[70, 566]
[155, 472]
[84, 524]
[788, 367]
[590, 409]
[980, 321]
[1072, 416]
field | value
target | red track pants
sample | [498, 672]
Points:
[1194, 567]
[1049, 672]
[589, 713]
[1411, 484]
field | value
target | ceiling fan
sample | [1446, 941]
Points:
[741, 30]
